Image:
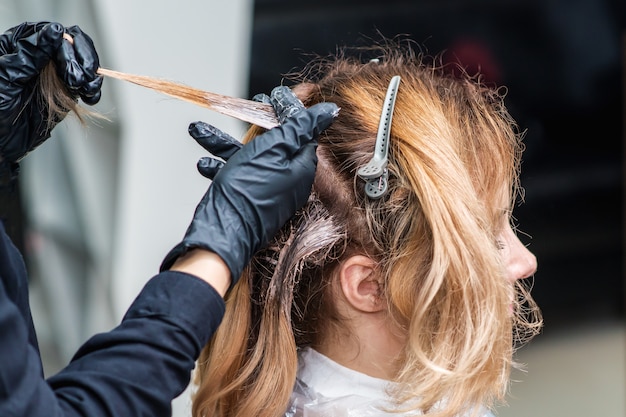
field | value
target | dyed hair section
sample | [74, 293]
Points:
[454, 153]
[257, 113]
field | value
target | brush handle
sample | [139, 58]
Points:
[259, 114]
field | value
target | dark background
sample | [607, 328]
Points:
[562, 62]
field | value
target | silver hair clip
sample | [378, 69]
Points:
[374, 173]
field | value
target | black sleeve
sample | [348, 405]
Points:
[136, 369]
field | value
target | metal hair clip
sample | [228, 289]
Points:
[374, 173]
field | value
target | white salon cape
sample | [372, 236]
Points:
[326, 389]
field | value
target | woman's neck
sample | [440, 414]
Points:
[369, 344]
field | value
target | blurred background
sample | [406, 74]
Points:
[104, 203]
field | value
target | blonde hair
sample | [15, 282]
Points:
[58, 101]
[454, 149]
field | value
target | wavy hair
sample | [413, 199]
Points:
[454, 152]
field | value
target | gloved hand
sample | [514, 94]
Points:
[260, 186]
[24, 51]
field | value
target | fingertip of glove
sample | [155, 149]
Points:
[91, 100]
[52, 32]
[280, 90]
[194, 128]
[325, 113]
[202, 165]
[74, 30]
[200, 129]
[55, 27]
[329, 108]
[262, 98]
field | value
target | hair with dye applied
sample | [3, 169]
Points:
[59, 102]
[256, 113]
[454, 151]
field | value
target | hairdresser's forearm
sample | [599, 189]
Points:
[207, 266]
[140, 366]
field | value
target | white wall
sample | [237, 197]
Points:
[108, 201]
[202, 44]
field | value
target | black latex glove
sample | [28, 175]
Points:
[223, 145]
[24, 51]
[259, 188]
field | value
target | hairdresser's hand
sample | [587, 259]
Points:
[258, 189]
[24, 52]
[221, 144]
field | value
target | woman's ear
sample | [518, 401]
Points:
[360, 285]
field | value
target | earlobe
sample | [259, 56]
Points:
[360, 284]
